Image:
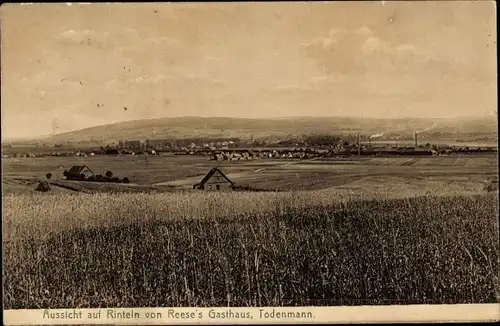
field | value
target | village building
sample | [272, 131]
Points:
[252, 154]
[236, 156]
[215, 180]
[264, 154]
[221, 157]
[77, 172]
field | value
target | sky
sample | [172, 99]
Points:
[72, 66]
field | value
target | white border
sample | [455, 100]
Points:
[355, 314]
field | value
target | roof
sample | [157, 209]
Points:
[77, 169]
[211, 173]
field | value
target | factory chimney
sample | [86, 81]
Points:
[359, 147]
[416, 140]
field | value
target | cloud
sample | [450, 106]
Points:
[176, 78]
[363, 30]
[213, 58]
[164, 50]
[357, 51]
[111, 83]
[161, 40]
[82, 35]
[406, 48]
[69, 33]
[375, 44]
[150, 79]
[315, 84]
[87, 37]
[286, 88]
[328, 80]
[203, 78]
[119, 40]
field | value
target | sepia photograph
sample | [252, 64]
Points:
[249, 154]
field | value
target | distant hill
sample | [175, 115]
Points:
[219, 127]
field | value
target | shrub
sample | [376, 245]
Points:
[125, 180]
[492, 186]
[43, 186]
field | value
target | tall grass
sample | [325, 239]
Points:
[248, 249]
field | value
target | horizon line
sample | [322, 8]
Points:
[37, 137]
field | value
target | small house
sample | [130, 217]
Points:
[236, 156]
[79, 172]
[220, 157]
[252, 155]
[215, 180]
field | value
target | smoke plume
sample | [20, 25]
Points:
[427, 129]
[377, 135]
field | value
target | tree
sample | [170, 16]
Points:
[109, 174]
[125, 180]
[48, 175]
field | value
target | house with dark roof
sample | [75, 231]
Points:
[215, 180]
[79, 172]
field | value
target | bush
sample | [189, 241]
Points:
[492, 186]
[43, 186]
[125, 180]
[48, 175]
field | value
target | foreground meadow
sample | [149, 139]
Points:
[247, 249]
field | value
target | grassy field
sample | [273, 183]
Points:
[139, 169]
[448, 174]
[343, 232]
[247, 249]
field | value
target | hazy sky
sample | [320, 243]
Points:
[67, 67]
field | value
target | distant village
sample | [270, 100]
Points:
[235, 149]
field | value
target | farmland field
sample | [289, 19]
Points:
[247, 249]
[356, 173]
[342, 232]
